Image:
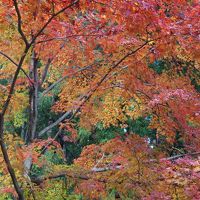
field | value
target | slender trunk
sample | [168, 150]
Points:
[33, 101]
[22, 134]
[2, 143]
[7, 161]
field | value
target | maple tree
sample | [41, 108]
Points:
[71, 68]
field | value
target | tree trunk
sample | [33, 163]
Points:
[7, 161]
[33, 101]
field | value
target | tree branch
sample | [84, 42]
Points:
[12, 61]
[180, 156]
[69, 36]
[54, 138]
[20, 23]
[90, 93]
[44, 74]
[103, 169]
[41, 133]
[175, 157]
[68, 75]
[50, 19]
[39, 180]
[7, 161]
[19, 66]
[5, 106]
[9, 58]
[2, 143]
[62, 79]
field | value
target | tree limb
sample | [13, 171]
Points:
[9, 58]
[90, 93]
[44, 74]
[7, 160]
[5, 106]
[62, 79]
[180, 156]
[175, 157]
[39, 180]
[41, 133]
[54, 138]
[20, 23]
[50, 19]
[12, 61]
[69, 36]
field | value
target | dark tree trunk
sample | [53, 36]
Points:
[7, 161]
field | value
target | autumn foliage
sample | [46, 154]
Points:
[99, 99]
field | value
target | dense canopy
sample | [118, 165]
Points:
[99, 99]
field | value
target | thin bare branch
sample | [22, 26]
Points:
[5, 106]
[20, 23]
[67, 37]
[12, 61]
[9, 58]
